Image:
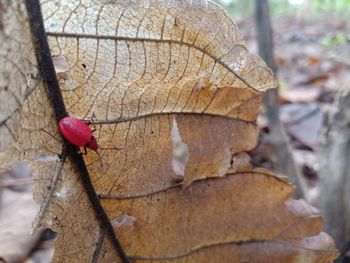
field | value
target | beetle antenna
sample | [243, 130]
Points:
[99, 157]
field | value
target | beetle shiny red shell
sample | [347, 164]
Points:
[78, 133]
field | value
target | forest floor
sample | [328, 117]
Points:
[313, 59]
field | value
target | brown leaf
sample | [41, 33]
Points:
[140, 67]
[257, 214]
[303, 121]
[25, 110]
[18, 73]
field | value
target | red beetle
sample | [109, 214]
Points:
[78, 133]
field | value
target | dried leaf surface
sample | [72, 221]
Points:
[24, 106]
[139, 68]
[134, 66]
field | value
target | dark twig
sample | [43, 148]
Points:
[48, 74]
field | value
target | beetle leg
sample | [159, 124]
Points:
[91, 121]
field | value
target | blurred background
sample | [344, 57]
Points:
[305, 132]
[305, 124]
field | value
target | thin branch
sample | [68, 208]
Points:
[48, 74]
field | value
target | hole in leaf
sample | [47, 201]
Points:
[180, 151]
[60, 63]
[20, 169]
[48, 234]
[62, 193]
[17, 177]
[123, 220]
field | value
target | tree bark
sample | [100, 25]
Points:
[334, 170]
[283, 159]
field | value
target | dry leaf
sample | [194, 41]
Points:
[139, 67]
[303, 121]
[300, 95]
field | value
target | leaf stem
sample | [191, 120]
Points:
[48, 74]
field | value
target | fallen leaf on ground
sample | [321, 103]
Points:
[300, 95]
